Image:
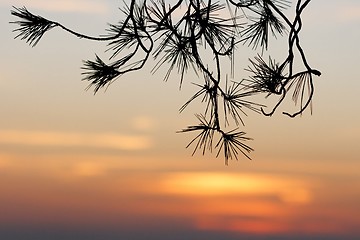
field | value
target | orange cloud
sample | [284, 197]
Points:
[218, 184]
[60, 139]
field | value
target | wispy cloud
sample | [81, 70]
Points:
[61, 139]
[143, 123]
[80, 6]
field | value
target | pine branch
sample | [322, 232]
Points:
[266, 78]
[302, 84]
[257, 33]
[32, 27]
[235, 102]
[202, 36]
[232, 143]
[204, 140]
[99, 74]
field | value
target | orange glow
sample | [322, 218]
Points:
[213, 184]
[110, 190]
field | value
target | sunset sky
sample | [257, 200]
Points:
[74, 165]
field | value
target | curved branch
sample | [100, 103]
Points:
[307, 103]
[283, 92]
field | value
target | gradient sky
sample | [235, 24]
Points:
[111, 166]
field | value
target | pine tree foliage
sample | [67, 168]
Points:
[180, 36]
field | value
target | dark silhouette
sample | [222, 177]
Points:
[152, 29]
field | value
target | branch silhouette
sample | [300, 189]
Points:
[154, 28]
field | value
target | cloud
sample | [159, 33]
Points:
[220, 184]
[90, 169]
[143, 123]
[79, 6]
[61, 139]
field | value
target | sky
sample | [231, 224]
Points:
[74, 165]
